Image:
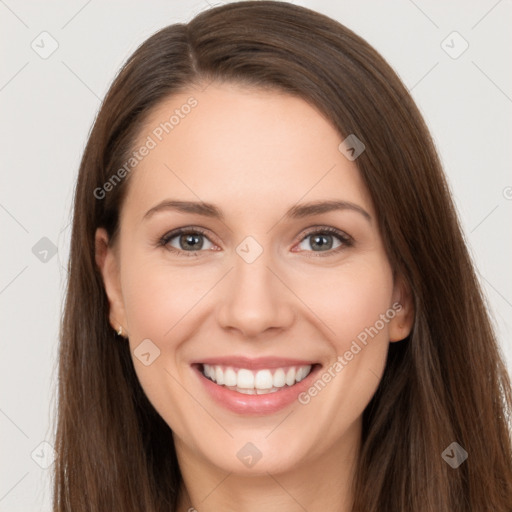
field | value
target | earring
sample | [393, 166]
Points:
[120, 331]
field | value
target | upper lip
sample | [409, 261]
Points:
[254, 363]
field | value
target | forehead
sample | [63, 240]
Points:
[249, 147]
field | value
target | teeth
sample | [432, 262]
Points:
[263, 380]
[290, 377]
[230, 378]
[245, 379]
[258, 382]
[279, 378]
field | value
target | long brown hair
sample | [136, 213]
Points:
[445, 383]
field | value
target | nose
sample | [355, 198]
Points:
[255, 299]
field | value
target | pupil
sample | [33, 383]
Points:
[189, 240]
[323, 243]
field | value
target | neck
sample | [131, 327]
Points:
[320, 484]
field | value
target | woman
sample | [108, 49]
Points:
[270, 303]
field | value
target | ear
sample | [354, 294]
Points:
[107, 262]
[400, 325]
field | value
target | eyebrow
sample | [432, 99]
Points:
[295, 212]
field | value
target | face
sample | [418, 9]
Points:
[258, 324]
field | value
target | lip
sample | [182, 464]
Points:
[254, 405]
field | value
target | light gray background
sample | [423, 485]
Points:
[48, 106]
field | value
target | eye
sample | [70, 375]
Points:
[188, 240]
[322, 239]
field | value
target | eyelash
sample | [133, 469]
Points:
[346, 241]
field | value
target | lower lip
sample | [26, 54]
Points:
[256, 404]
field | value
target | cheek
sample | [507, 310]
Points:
[351, 305]
[157, 297]
[159, 305]
[350, 299]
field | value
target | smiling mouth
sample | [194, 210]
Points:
[255, 382]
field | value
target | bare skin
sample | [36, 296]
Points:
[254, 154]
